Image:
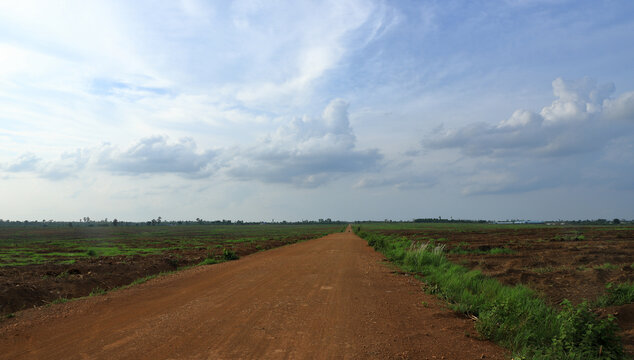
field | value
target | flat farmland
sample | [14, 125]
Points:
[575, 263]
[42, 265]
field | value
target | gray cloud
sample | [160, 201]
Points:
[155, 155]
[67, 165]
[306, 152]
[578, 139]
[26, 162]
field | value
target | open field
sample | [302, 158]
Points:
[573, 263]
[558, 262]
[40, 265]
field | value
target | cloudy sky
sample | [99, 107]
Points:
[262, 110]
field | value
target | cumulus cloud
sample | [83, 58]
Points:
[155, 155]
[306, 151]
[582, 118]
[583, 126]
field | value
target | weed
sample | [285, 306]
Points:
[229, 254]
[582, 335]
[209, 261]
[617, 294]
[606, 266]
[97, 291]
[461, 249]
[91, 253]
[544, 270]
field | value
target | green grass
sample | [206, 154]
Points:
[606, 266]
[21, 246]
[97, 291]
[617, 294]
[210, 261]
[459, 250]
[514, 317]
[229, 254]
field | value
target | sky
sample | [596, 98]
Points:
[298, 110]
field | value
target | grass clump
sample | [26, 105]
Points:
[513, 316]
[229, 254]
[209, 261]
[97, 291]
[619, 294]
[606, 266]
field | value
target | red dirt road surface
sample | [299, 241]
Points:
[328, 298]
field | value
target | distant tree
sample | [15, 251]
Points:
[158, 220]
[115, 222]
[616, 221]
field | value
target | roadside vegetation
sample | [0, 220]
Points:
[513, 316]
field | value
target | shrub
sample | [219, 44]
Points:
[582, 335]
[229, 254]
[619, 294]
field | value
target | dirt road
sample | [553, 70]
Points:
[328, 298]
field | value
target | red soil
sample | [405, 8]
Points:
[327, 298]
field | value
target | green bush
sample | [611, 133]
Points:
[619, 294]
[229, 254]
[582, 335]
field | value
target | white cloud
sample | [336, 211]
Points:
[155, 155]
[306, 151]
[566, 143]
[581, 119]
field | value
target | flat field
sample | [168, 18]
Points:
[559, 262]
[40, 265]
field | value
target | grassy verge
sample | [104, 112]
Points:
[514, 317]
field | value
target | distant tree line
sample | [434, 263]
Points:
[88, 222]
